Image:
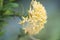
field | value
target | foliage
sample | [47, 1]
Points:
[6, 10]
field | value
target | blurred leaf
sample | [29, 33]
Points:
[2, 23]
[14, 5]
[10, 6]
[1, 4]
[11, 0]
[1, 33]
[8, 12]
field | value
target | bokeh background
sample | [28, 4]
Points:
[10, 16]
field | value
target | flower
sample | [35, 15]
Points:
[36, 19]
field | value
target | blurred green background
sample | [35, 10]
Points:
[10, 15]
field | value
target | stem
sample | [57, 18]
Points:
[33, 38]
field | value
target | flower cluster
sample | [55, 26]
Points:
[36, 19]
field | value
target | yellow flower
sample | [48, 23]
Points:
[36, 19]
